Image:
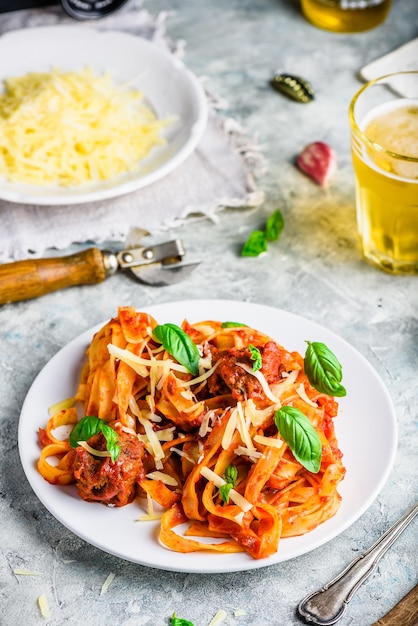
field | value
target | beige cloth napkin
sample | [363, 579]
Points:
[219, 174]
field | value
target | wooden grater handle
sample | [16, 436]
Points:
[405, 613]
[27, 279]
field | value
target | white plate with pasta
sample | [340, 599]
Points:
[365, 414]
[112, 113]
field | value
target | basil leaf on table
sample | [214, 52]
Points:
[255, 245]
[179, 345]
[274, 226]
[91, 425]
[301, 437]
[178, 621]
[323, 369]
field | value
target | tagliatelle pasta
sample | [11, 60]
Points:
[204, 448]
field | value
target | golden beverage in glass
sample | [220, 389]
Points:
[346, 16]
[384, 140]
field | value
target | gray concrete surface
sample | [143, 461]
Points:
[315, 270]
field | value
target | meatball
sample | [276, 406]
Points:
[229, 377]
[99, 479]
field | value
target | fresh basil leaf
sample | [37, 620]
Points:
[84, 429]
[231, 474]
[255, 245]
[232, 324]
[179, 345]
[256, 357]
[301, 437]
[91, 425]
[323, 369]
[224, 491]
[274, 226]
[178, 621]
[112, 438]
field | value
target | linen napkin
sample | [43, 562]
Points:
[402, 59]
[220, 173]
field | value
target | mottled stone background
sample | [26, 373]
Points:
[315, 270]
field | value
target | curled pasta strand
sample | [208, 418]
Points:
[55, 474]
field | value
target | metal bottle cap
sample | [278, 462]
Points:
[90, 9]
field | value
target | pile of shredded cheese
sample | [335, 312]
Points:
[72, 128]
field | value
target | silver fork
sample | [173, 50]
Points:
[326, 606]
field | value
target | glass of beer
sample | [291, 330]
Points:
[346, 16]
[384, 141]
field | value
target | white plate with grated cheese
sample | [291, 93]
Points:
[366, 415]
[94, 168]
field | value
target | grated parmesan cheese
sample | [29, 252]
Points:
[205, 428]
[164, 374]
[238, 421]
[255, 416]
[72, 128]
[93, 451]
[153, 440]
[198, 379]
[261, 379]
[284, 385]
[43, 606]
[141, 365]
[301, 391]
[151, 515]
[127, 429]
[242, 451]
[107, 583]
[164, 478]
[239, 518]
[273, 442]
[229, 430]
[183, 454]
[219, 618]
[153, 417]
[165, 434]
[242, 426]
[25, 572]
